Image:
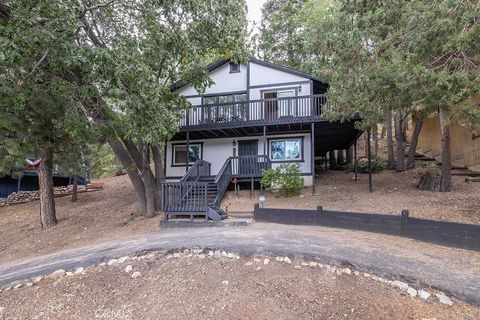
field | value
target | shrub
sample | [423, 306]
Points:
[378, 165]
[424, 168]
[287, 178]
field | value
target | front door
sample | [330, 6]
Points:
[246, 164]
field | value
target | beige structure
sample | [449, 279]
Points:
[465, 143]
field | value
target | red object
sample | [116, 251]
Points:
[234, 180]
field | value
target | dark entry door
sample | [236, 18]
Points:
[247, 162]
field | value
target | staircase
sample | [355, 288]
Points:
[200, 193]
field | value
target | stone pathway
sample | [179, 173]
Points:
[454, 271]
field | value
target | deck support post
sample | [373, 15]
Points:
[251, 188]
[369, 144]
[312, 152]
[264, 140]
[187, 151]
[355, 162]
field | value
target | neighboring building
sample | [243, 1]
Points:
[256, 115]
[464, 143]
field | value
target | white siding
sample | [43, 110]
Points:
[216, 151]
[262, 75]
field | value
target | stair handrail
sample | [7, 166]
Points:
[222, 180]
[194, 172]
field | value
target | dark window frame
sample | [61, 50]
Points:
[302, 149]
[173, 164]
[234, 67]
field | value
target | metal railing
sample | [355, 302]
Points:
[263, 111]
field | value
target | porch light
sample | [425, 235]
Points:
[261, 199]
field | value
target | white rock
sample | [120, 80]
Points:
[128, 269]
[401, 285]
[7, 288]
[210, 253]
[57, 274]
[231, 255]
[375, 278]
[347, 271]
[18, 286]
[136, 274]
[217, 253]
[122, 259]
[111, 262]
[186, 251]
[366, 275]
[224, 254]
[304, 264]
[443, 298]
[197, 251]
[279, 259]
[225, 282]
[37, 279]
[69, 273]
[412, 292]
[320, 265]
[356, 273]
[297, 267]
[256, 260]
[201, 256]
[312, 264]
[79, 270]
[177, 255]
[102, 264]
[258, 268]
[266, 261]
[29, 284]
[248, 264]
[287, 260]
[424, 295]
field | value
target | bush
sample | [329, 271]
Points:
[287, 178]
[427, 168]
[378, 165]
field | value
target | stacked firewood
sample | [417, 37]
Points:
[27, 196]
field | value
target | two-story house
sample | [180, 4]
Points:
[256, 115]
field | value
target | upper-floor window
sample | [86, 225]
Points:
[234, 67]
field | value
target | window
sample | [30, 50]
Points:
[180, 155]
[234, 67]
[286, 149]
[228, 107]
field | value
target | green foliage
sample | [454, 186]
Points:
[280, 39]
[423, 168]
[102, 161]
[378, 165]
[287, 178]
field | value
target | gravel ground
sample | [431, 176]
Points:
[198, 286]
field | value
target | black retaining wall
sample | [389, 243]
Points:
[465, 236]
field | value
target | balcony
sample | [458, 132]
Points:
[256, 113]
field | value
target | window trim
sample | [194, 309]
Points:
[302, 149]
[173, 164]
[234, 67]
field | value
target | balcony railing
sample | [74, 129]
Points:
[264, 111]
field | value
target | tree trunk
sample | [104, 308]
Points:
[390, 153]
[365, 137]
[375, 139]
[333, 161]
[149, 182]
[48, 215]
[350, 155]
[132, 171]
[382, 134]
[400, 164]
[118, 167]
[340, 158]
[414, 141]
[446, 176]
[75, 188]
[405, 127]
[159, 175]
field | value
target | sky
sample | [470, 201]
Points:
[254, 11]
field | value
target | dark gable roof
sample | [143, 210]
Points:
[217, 64]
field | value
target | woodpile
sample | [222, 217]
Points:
[28, 196]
